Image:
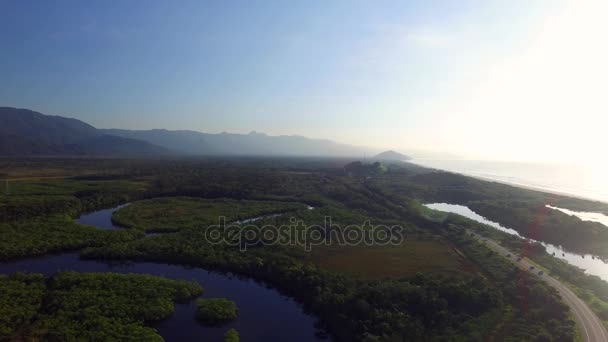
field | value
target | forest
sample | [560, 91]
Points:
[74, 306]
[215, 311]
[469, 293]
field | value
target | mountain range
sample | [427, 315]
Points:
[25, 132]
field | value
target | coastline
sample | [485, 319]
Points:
[521, 185]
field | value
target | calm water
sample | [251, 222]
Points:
[264, 314]
[100, 218]
[594, 266]
[585, 216]
[586, 181]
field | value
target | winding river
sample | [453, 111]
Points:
[264, 314]
[587, 262]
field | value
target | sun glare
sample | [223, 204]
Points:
[550, 99]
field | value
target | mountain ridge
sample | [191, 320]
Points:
[26, 132]
[234, 144]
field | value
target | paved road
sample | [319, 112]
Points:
[590, 325]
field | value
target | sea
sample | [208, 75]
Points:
[588, 181]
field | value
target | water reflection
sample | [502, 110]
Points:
[584, 215]
[100, 219]
[264, 313]
[587, 262]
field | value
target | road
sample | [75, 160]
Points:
[591, 328]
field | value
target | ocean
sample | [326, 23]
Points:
[577, 180]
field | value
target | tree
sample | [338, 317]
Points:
[231, 336]
[216, 311]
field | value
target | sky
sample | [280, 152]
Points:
[500, 80]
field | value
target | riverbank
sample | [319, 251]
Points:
[259, 305]
[589, 263]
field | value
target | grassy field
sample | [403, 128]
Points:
[377, 262]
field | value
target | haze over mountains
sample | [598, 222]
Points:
[252, 144]
[26, 132]
[391, 155]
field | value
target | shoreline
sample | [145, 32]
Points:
[515, 184]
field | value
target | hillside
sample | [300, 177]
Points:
[391, 156]
[24, 132]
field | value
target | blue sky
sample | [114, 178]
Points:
[379, 73]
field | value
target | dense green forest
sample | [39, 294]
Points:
[20, 300]
[231, 336]
[215, 311]
[74, 306]
[54, 233]
[469, 293]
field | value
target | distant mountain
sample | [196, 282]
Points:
[187, 142]
[25, 132]
[391, 155]
[252, 144]
[113, 145]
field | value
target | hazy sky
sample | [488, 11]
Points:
[491, 79]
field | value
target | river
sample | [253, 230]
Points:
[264, 314]
[587, 262]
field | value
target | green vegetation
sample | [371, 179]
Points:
[536, 221]
[20, 300]
[215, 311]
[591, 289]
[231, 336]
[23, 199]
[439, 285]
[412, 307]
[175, 213]
[379, 262]
[358, 168]
[87, 306]
[520, 209]
[53, 234]
[534, 310]
[37, 215]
